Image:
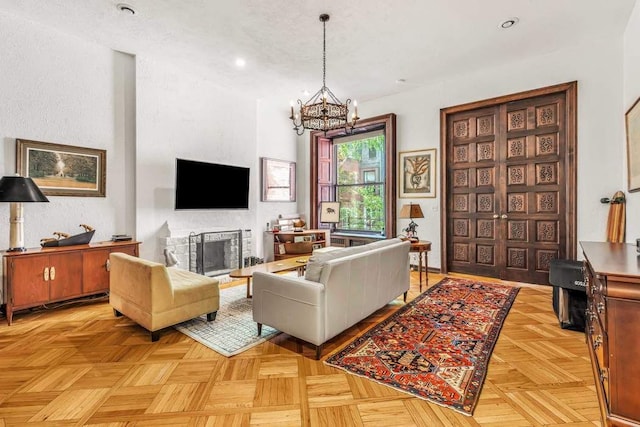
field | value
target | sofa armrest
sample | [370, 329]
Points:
[290, 304]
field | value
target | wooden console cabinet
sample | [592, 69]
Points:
[613, 317]
[287, 244]
[44, 275]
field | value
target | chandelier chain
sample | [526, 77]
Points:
[324, 53]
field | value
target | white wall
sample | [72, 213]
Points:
[61, 89]
[182, 113]
[276, 139]
[631, 92]
[596, 65]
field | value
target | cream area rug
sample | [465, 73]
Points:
[234, 330]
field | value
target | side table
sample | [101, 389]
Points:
[422, 247]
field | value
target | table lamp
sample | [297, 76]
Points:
[411, 211]
[17, 190]
[330, 213]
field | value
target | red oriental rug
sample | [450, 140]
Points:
[436, 347]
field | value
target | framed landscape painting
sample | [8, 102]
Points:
[417, 171]
[63, 170]
[632, 121]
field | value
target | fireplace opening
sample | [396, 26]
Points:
[215, 253]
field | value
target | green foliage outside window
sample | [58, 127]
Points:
[361, 199]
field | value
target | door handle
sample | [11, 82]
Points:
[496, 216]
[107, 265]
[46, 274]
[504, 216]
[52, 274]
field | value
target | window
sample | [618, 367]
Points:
[357, 189]
[358, 171]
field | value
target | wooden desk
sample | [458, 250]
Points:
[422, 247]
[288, 264]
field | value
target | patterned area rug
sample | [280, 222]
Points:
[436, 347]
[234, 330]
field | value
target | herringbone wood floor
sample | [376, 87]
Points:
[79, 365]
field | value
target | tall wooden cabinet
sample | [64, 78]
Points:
[44, 275]
[613, 315]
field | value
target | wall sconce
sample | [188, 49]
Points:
[17, 190]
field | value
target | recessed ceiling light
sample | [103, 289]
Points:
[126, 8]
[240, 62]
[508, 23]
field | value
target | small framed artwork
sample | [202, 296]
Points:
[278, 180]
[298, 239]
[632, 122]
[316, 246]
[330, 212]
[417, 171]
[63, 170]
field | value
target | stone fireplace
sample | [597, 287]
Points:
[214, 253]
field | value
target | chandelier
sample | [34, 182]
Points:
[324, 111]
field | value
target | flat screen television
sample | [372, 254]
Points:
[201, 185]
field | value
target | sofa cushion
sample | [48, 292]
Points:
[317, 261]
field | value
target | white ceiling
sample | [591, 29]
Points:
[370, 43]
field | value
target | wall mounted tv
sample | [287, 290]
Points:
[201, 185]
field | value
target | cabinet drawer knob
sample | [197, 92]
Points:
[45, 274]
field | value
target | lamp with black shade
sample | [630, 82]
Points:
[330, 213]
[18, 190]
[411, 211]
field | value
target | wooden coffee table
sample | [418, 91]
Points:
[287, 264]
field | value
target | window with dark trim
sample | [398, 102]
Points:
[359, 171]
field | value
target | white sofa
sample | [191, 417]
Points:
[339, 289]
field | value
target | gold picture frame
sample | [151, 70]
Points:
[632, 124]
[63, 170]
[417, 173]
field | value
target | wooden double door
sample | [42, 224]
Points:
[509, 181]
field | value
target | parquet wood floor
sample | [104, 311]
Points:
[80, 365]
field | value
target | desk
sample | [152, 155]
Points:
[422, 247]
[288, 264]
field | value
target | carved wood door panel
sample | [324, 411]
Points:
[473, 167]
[508, 204]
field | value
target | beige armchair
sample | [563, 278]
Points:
[155, 296]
